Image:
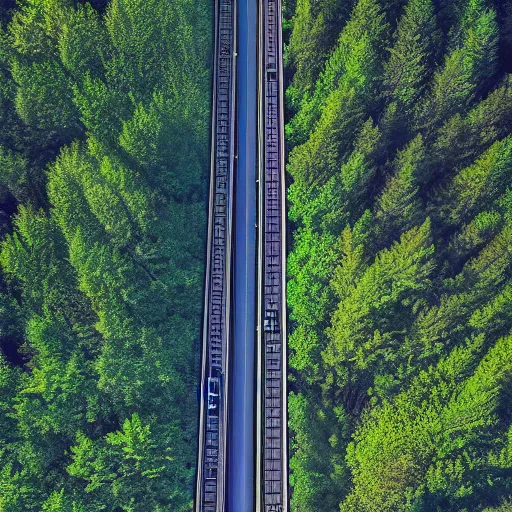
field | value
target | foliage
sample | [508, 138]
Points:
[103, 161]
[399, 273]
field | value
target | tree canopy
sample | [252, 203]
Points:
[399, 159]
[104, 110]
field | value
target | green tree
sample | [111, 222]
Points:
[315, 26]
[414, 50]
[399, 291]
[350, 72]
[440, 440]
[103, 172]
[360, 335]
[128, 470]
[476, 186]
[399, 207]
[472, 59]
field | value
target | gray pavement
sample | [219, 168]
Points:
[241, 414]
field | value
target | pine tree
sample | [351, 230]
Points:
[462, 138]
[44, 98]
[103, 283]
[350, 73]
[414, 50]
[476, 186]
[438, 439]
[397, 403]
[360, 336]
[127, 469]
[313, 464]
[399, 208]
[315, 26]
[472, 59]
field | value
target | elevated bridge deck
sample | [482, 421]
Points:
[270, 441]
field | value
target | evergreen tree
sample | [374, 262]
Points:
[399, 291]
[476, 186]
[104, 167]
[315, 26]
[471, 61]
[415, 49]
[350, 72]
[399, 206]
[360, 333]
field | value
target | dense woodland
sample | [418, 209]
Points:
[400, 201]
[104, 118]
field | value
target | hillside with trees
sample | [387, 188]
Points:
[104, 119]
[399, 135]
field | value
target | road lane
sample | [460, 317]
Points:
[211, 473]
[272, 436]
[241, 447]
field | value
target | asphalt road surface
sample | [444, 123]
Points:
[241, 415]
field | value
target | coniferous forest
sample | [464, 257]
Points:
[104, 121]
[400, 202]
[399, 139]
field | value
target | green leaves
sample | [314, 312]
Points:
[471, 61]
[396, 279]
[477, 185]
[415, 42]
[350, 72]
[126, 469]
[57, 502]
[437, 438]
[399, 206]
[103, 266]
[399, 286]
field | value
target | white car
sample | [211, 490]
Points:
[213, 392]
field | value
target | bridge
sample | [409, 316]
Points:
[242, 455]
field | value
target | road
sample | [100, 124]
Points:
[211, 460]
[243, 442]
[241, 414]
[272, 434]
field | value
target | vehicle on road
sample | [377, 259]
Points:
[213, 392]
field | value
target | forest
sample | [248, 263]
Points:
[104, 133]
[399, 134]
